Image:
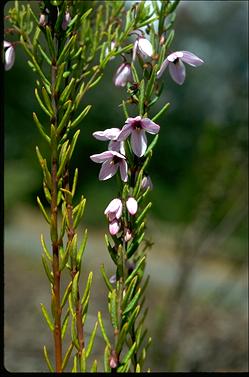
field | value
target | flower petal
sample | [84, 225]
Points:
[114, 227]
[162, 69]
[9, 58]
[101, 157]
[131, 205]
[177, 72]
[125, 131]
[145, 47]
[108, 169]
[113, 206]
[134, 50]
[108, 134]
[114, 145]
[175, 55]
[150, 126]
[191, 59]
[123, 170]
[138, 142]
[123, 75]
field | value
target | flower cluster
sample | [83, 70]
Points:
[114, 211]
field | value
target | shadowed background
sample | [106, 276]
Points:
[197, 295]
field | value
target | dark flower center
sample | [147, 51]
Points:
[137, 125]
[115, 160]
[176, 61]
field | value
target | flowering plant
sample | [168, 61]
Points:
[68, 45]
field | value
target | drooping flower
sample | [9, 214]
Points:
[42, 20]
[112, 135]
[66, 20]
[131, 205]
[123, 75]
[114, 209]
[176, 67]
[146, 183]
[136, 127]
[112, 161]
[114, 227]
[9, 55]
[143, 47]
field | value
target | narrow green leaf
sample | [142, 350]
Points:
[121, 337]
[132, 317]
[143, 214]
[140, 263]
[113, 309]
[64, 160]
[47, 318]
[106, 359]
[40, 128]
[141, 98]
[133, 302]
[75, 288]
[66, 49]
[124, 368]
[134, 245]
[67, 356]
[94, 367]
[47, 359]
[47, 270]
[106, 280]
[81, 116]
[45, 56]
[65, 324]
[63, 260]
[125, 109]
[83, 361]
[163, 109]
[74, 370]
[67, 91]
[59, 76]
[88, 287]
[75, 179]
[43, 210]
[81, 250]
[47, 100]
[65, 117]
[129, 292]
[108, 343]
[74, 333]
[138, 369]
[111, 249]
[129, 354]
[85, 15]
[91, 340]
[73, 143]
[50, 41]
[66, 293]
[45, 249]
[80, 212]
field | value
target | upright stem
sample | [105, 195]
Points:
[55, 241]
[70, 235]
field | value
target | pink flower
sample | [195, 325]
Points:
[114, 227]
[9, 55]
[176, 67]
[137, 127]
[123, 75]
[114, 209]
[114, 212]
[143, 47]
[112, 161]
[112, 135]
[131, 205]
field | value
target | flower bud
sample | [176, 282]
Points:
[123, 75]
[128, 235]
[114, 227]
[131, 205]
[42, 20]
[113, 360]
[146, 182]
[66, 20]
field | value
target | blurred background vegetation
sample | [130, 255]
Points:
[197, 295]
